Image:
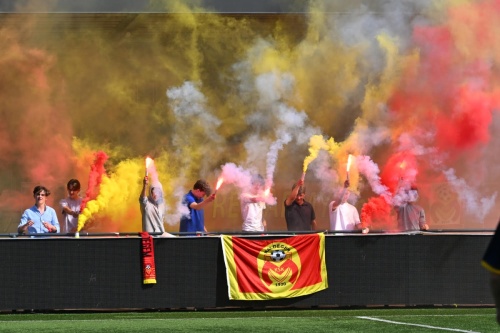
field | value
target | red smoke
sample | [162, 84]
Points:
[451, 92]
[400, 166]
[36, 132]
[376, 214]
[468, 125]
[95, 177]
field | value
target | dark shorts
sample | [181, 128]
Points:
[491, 258]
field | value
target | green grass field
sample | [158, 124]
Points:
[273, 321]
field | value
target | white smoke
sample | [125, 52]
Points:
[179, 209]
[189, 106]
[242, 179]
[371, 171]
[474, 204]
[273, 117]
[364, 137]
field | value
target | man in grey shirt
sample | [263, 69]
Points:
[411, 216]
[152, 209]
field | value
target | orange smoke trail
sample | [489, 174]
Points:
[349, 161]
[95, 177]
[149, 161]
[219, 183]
[348, 167]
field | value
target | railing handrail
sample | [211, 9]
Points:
[240, 233]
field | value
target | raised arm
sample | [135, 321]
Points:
[342, 197]
[201, 205]
[145, 183]
[291, 197]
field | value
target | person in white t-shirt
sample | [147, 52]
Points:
[253, 205]
[71, 207]
[343, 215]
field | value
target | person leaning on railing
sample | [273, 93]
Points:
[39, 218]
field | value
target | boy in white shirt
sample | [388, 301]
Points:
[343, 215]
[253, 205]
[71, 207]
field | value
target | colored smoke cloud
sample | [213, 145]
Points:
[390, 82]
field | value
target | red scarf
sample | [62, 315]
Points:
[148, 258]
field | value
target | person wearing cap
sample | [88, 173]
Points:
[299, 214]
[343, 215]
[152, 209]
[410, 216]
[71, 207]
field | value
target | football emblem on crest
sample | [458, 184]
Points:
[279, 267]
[278, 255]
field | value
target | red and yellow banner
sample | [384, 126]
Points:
[279, 268]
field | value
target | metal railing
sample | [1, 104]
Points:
[240, 233]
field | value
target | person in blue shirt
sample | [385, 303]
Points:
[195, 220]
[40, 218]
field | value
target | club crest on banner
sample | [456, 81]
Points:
[279, 268]
[260, 269]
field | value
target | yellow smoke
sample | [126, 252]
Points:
[340, 153]
[316, 143]
[94, 206]
[118, 198]
[104, 86]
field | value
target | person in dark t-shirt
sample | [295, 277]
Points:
[299, 214]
